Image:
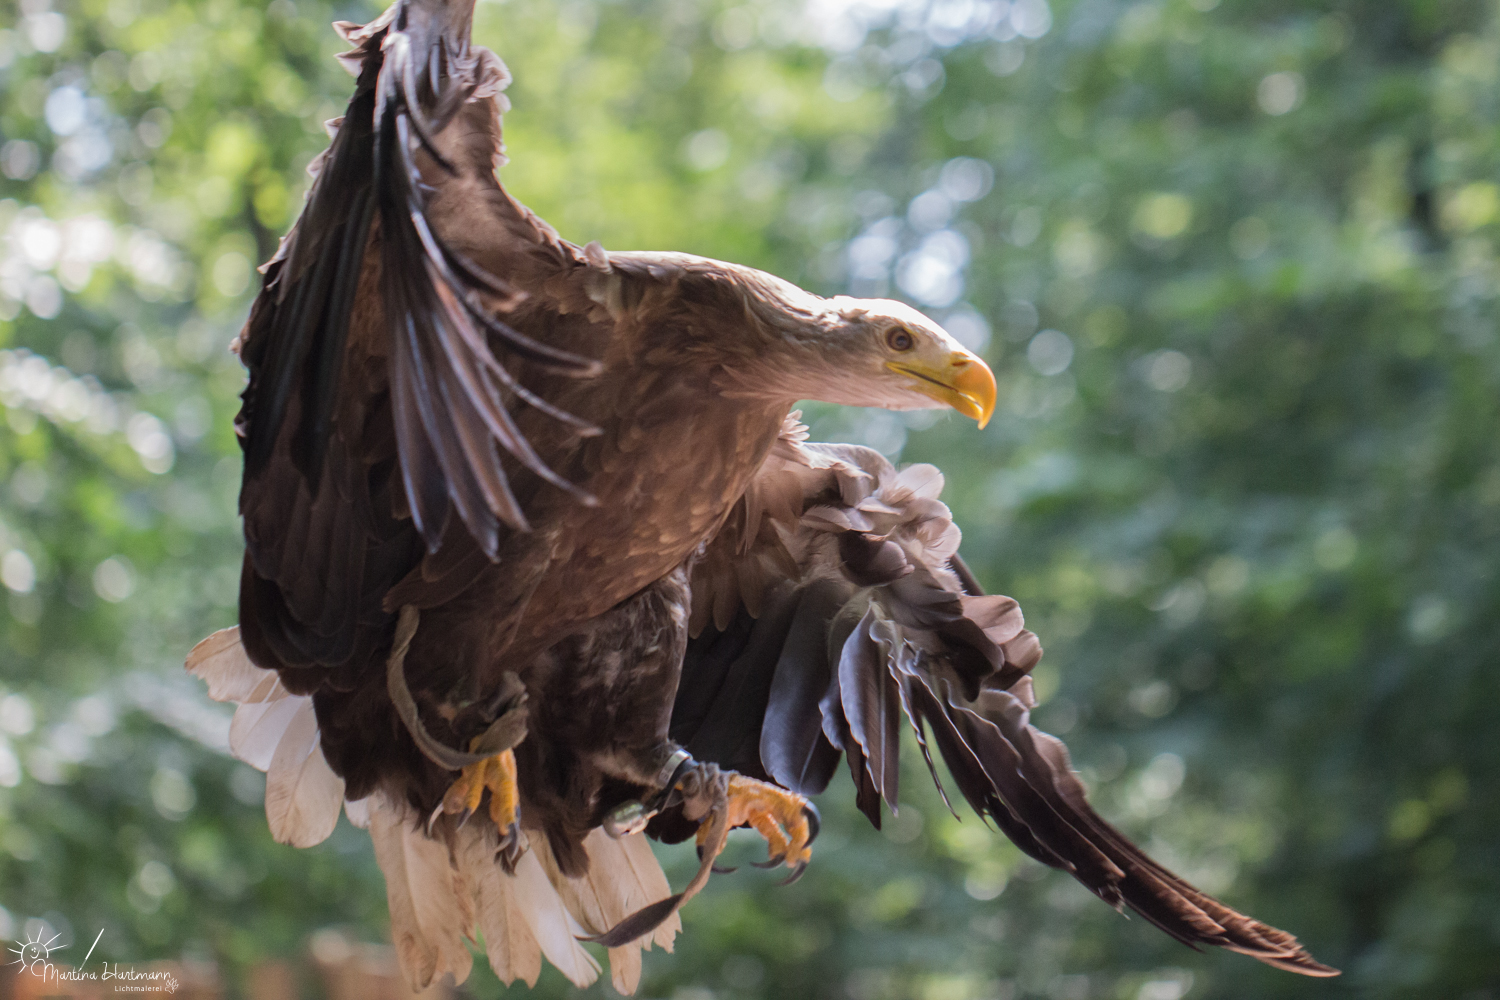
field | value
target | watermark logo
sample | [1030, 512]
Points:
[34, 950]
[35, 958]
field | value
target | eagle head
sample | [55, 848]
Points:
[890, 355]
[767, 338]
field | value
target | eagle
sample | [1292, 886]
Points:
[540, 563]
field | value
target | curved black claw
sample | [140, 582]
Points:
[814, 822]
[718, 869]
[795, 875]
[459, 822]
[509, 850]
[770, 862]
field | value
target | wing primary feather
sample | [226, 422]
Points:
[284, 358]
[303, 308]
[486, 358]
[533, 350]
[403, 83]
[425, 390]
[965, 576]
[836, 729]
[442, 393]
[421, 477]
[792, 745]
[486, 402]
[480, 471]
[320, 391]
[900, 660]
[425, 393]
[731, 727]
[415, 74]
[870, 706]
[436, 315]
[476, 275]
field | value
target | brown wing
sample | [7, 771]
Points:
[378, 421]
[834, 604]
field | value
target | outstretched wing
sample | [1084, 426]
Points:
[377, 405]
[416, 71]
[833, 605]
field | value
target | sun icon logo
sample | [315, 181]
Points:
[34, 949]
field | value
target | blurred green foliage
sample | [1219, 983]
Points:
[1235, 266]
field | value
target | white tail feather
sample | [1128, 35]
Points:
[429, 918]
[444, 911]
[303, 794]
[576, 895]
[620, 880]
[221, 662]
[625, 968]
[257, 728]
[508, 942]
[652, 885]
[265, 709]
[553, 926]
[521, 915]
[358, 812]
[276, 733]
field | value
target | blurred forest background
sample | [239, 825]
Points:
[1235, 265]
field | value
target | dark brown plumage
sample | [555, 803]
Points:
[869, 623]
[490, 476]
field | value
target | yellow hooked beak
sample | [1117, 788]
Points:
[960, 380]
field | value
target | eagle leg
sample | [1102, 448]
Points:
[496, 775]
[718, 801]
[786, 820]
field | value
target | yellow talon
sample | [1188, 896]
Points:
[785, 819]
[465, 794]
[497, 775]
[505, 800]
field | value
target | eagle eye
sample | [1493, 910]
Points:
[900, 339]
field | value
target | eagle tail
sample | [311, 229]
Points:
[275, 732]
[431, 913]
[445, 887]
